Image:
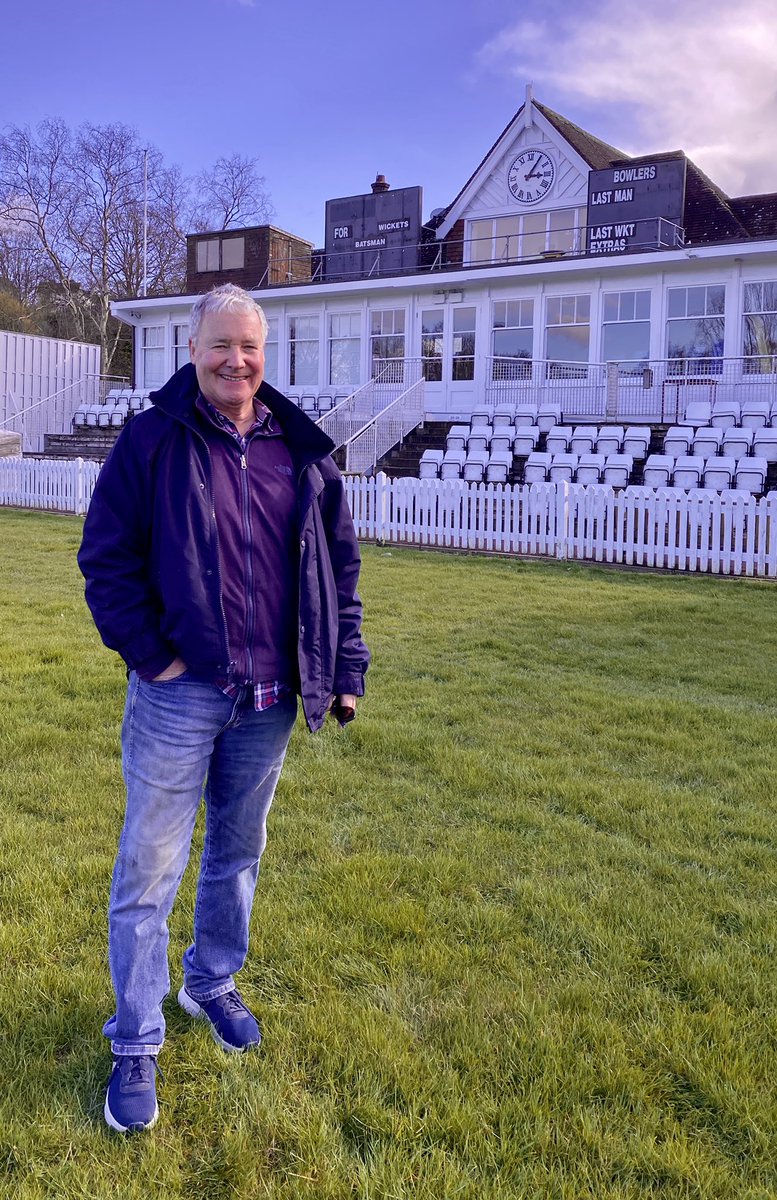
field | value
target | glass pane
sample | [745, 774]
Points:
[761, 334]
[567, 310]
[568, 344]
[527, 313]
[611, 307]
[554, 310]
[463, 368]
[272, 329]
[676, 302]
[344, 357]
[153, 335]
[512, 343]
[753, 302]
[626, 342]
[562, 218]
[271, 363]
[153, 368]
[501, 314]
[399, 320]
[583, 310]
[695, 339]
[232, 253]
[697, 301]
[431, 320]
[535, 222]
[716, 299]
[463, 318]
[769, 301]
[642, 306]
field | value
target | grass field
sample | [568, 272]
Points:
[516, 927]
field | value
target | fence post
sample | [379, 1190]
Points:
[563, 531]
[79, 488]
[611, 403]
[381, 505]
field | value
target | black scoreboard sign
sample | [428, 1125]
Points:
[373, 234]
[636, 207]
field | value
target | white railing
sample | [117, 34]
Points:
[392, 378]
[721, 534]
[656, 390]
[50, 484]
[386, 430]
[54, 413]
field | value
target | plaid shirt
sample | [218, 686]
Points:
[268, 691]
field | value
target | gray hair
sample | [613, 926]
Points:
[226, 298]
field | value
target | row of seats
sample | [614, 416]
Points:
[316, 405]
[732, 441]
[580, 439]
[474, 466]
[544, 415]
[117, 407]
[723, 414]
[746, 474]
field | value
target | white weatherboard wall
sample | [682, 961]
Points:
[33, 368]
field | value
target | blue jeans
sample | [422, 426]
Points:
[176, 737]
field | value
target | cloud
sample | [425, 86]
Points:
[696, 75]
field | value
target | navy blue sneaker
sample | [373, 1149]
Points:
[232, 1024]
[130, 1103]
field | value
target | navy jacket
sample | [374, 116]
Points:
[150, 550]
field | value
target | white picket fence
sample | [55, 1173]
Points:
[726, 534]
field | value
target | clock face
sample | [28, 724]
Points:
[531, 176]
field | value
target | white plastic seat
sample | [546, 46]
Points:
[499, 465]
[92, 413]
[526, 438]
[537, 466]
[548, 415]
[738, 442]
[765, 443]
[483, 415]
[308, 403]
[688, 470]
[590, 468]
[751, 475]
[475, 466]
[610, 439]
[457, 437]
[562, 467]
[502, 439]
[104, 415]
[558, 439]
[719, 472]
[429, 466]
[678, 440]
[525, 414]
[119, 414]
[583, 439]
[725, 413]
[325, 403]
[755, 413]
[479, 438]
[617, 469]
[636, 440]
[708, 440]
[147, 402]
[697, 412]
[452, 464]
[79, 417]
[135, 402]
[504, 414]
[658, 470]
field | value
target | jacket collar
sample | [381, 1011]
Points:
[306, 442]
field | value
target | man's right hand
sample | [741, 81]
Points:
[176, 668]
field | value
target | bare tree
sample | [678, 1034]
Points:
[230, 195]
[75, 200]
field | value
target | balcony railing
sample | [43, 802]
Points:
[508, 249]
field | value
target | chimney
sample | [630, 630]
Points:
[380, 184]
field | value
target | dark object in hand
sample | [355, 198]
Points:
[343, 713]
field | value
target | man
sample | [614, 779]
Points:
[221, 563]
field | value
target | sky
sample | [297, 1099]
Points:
[327, 95]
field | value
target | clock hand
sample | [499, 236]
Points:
[533, 174]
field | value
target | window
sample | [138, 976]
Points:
[387, 339]
[760, 335]
[431, 343]
[511, 339]
[626, 329]
[221, 254]
[527, 235]
[694, 328]
[303, 351]
[180, 346]
[344, 349]
[271, 352]
[463, 364]
[153, 356]
[567, 335]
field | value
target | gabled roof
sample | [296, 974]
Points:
[593, 151]
[757, 213]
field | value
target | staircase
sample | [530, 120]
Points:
[89, 442]
[404, 458]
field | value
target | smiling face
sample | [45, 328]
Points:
[228, 357]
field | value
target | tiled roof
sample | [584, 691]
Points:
[597, 154]
[758, 214]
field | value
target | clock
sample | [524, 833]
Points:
[531, 176]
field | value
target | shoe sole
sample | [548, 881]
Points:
[135, 1127]
[191, 1007]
